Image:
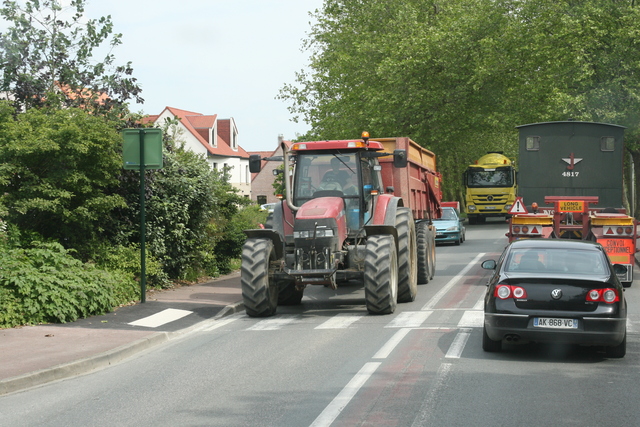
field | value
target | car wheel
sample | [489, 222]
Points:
[618, 351]
[488, 344]
[458, 240]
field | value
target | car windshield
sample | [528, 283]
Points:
[448, 214]
[556, 261]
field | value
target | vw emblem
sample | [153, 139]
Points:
[490, 198]
[556, 293]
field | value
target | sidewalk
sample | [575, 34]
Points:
[34, 355]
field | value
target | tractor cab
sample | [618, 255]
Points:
[346, 175]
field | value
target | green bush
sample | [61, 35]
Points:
[232, 236]
[45, 284]
[127, 260]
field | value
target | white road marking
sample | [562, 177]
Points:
[161, 318]
[409, 319]
[446, 288]
[331, 412]
[471, 319]
[388, 347]
[424, 413]
[340, 321]
[457, 346]
[272, 324]
[221, 323]
[480, 304]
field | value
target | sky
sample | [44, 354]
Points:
[224, 57]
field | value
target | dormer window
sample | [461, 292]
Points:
[234, 139]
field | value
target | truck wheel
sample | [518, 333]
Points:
[289, 295]
[259, 291]
[407, 253]
[381, 275]
[426, 253]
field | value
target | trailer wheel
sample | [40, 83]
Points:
[381, 275]
[259, 291]
[426, 252]
[290, 295]
[407, 253]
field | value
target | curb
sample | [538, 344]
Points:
[103, 360]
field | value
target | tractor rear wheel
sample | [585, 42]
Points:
[407, 253]
[259, 290]
[426, 252]
[381, 275]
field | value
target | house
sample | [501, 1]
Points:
[262, 190]
[216, 139]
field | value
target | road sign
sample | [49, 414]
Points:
[518, 207]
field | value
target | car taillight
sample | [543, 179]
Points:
[507, 291]
[607, 295]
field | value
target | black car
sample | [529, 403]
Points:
[555, 290]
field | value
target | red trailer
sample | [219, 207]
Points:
[355, 209]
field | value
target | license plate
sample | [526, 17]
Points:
[489, 207]
[439, 234]
[552, 322]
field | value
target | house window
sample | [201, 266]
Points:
[533, 143]
[607, 143]
[215, 166]
[262, 200]
[246, 168]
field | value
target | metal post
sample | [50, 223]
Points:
[632, 179]
[143, 268]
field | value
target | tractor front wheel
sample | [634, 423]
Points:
[381, 275]
[259, 289]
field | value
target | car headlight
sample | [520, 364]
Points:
[453, 228]
[471, 208]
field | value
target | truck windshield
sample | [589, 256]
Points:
[319, 175]
[500, 177]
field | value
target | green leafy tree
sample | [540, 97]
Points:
[47, 58]
[458, 76]
[58, 174]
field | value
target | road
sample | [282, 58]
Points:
[328, 362]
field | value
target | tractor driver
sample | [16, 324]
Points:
[331, 179]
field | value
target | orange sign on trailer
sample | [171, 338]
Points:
[620, 251]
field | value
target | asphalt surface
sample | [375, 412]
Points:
[34, 355]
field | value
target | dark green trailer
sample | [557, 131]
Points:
[571, 158]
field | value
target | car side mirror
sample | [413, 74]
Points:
[619, 269]
[489, 264]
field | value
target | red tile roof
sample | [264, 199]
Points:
[198, 124]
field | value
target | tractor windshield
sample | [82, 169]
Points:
[321, 175]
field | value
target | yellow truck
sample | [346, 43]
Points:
[490, 187]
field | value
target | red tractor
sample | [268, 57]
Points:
[343, 219]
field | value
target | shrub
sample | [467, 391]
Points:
[45, 284]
